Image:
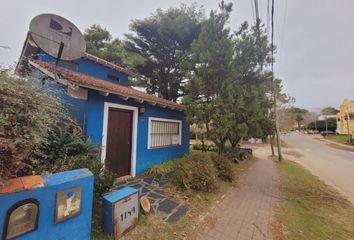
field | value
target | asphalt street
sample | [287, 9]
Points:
[332, 165]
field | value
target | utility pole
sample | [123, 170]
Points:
[348, 119]
[277, 132]
[280, 156]
[326, 126]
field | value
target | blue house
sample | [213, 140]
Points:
[135, 130]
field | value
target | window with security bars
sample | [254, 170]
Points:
[164, 133]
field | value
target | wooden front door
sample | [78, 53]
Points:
[119, 141]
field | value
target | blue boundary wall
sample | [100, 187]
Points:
[77, 227]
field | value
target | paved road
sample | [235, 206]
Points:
[334, 166]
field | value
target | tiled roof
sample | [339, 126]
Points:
[109, 64]
[87, 81]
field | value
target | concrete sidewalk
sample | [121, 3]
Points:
[246, 212]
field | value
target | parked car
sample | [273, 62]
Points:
[325, 133]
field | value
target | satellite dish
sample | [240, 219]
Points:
[57, 37]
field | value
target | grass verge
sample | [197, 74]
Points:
[310, 209]
[154, 227]
[344, 139]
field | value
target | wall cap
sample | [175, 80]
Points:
[22, 184]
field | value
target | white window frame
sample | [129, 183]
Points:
[164, 120]
[108, 105]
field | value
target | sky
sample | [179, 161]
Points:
[315, 39]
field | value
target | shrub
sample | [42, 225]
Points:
[104, 178]
[196, 172]
[162, 169]
[238, 154]
[10, 162]
[320, 125]
[27, 116]
[206, 147]
[64, 142]
[232, 154]
[223, 167]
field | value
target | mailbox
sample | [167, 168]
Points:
[21, 218]
[121, 211]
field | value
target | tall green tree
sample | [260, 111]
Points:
[97, 38]
[299, 114]
[251, 56]
[329, 111]
[99, 43]
[210, 87]
[162, 41]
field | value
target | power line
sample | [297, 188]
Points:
[281, 44]
[5, 47]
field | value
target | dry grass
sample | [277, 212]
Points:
[293, 154]
[309, 209]
[285, 144]
[341, 147]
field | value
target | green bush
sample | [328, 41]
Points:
[27, 116]
[232, 154]
[63, 142]
[321, 125]
[196, 172]
[103, 178]
[162, 169]
[223, 167]
[238, 154]
[68, 149]
[37, 135]
[206, 147]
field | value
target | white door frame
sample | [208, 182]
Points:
[108, 105]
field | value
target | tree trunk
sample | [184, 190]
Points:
[234, 142]
[271, 137]
[203, 144]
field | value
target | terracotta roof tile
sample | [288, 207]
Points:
[109, 64]
[21, 184]
[99, 84]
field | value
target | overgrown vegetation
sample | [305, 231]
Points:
[37, 136]
[310, 209]
[196, 172]
[28, 115]
[223, 167]
[104, 178]
[68, 149]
